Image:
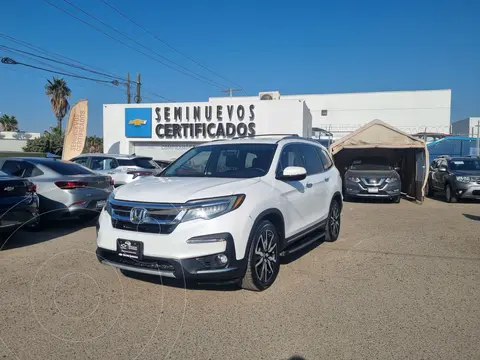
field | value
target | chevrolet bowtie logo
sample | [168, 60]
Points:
[137, 122]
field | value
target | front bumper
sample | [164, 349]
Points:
[467, 190]
[201, 268]
[388, 190]
[183, 259]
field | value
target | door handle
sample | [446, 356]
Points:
[326, 179]
[309, 185]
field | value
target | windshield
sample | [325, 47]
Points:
[229, 161]
[370, 164]
[66, 168]
[465, 165]
[145, 163]
[3, 174]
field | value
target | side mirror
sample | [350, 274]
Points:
[293, 173]
[442, 169]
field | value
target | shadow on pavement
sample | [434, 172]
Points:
[50, 230]
[472, 217]
[298, 254]
[179, 283]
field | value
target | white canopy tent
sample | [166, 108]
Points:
[377, 138]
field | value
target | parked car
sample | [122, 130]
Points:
[372, 177]
[18, 203]
[122, 168]
[457, 177]
[224, 210]
[64, 188]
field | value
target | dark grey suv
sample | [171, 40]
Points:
[372, 177]
[457, 177]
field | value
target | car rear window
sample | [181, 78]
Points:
[67, 168]
[145, 163]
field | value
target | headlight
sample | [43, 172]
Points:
[464, 179]
[211, 208]
[391, 179]
[354, 179]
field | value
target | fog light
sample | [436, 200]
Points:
[221, 259]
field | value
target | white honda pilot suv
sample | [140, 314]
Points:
[224, 211]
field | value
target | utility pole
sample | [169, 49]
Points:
[128, 89]
[230, 91]
[138, 98]
[478, 138]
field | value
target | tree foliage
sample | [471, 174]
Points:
[52, 142]
[59, 92]
[8, 123]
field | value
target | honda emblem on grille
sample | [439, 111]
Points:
[138, 215]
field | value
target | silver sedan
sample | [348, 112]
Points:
[65, 189]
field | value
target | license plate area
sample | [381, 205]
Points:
[101, 203]
[373, 190]
[129, 248]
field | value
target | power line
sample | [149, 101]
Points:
[55, 61]
[9, 61]
[143, 46]
[56, 55]
[85, 67]
[170, 46]
[122, 42]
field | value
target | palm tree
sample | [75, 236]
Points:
[59, 93]
[8, 123]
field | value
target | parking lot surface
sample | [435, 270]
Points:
[402, 282]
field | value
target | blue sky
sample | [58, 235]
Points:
[294, 47]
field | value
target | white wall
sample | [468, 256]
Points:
[15, 140]
[410, 111]
[284, 117]
[466, 127]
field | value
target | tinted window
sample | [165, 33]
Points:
[311, 159]
[229, 160]
[31, 170]
[3, 174]
[326, 159]
[21, 169]
[465, 164]
[291, 156]
[145, 163]
[66, 168]
[12, 167]
[103, 163]
[81, 161]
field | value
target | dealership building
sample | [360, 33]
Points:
[166, 130]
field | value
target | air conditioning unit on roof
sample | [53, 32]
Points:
[269, 95]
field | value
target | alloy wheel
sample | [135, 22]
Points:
[266, 256]
[334, 221]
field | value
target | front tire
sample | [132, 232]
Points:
[333, 221]
[396, 199]
[449, 196]
[263, 258]
[429, 191]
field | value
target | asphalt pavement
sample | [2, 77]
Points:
[402, 282]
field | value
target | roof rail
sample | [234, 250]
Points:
[263, 135]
